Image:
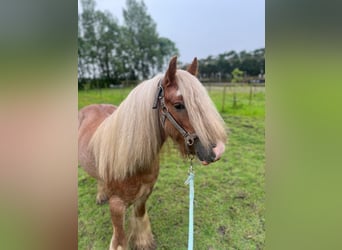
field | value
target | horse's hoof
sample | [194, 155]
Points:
[151, 246]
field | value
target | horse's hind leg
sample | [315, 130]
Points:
[117, 210]
[101, 196]
[141, 237]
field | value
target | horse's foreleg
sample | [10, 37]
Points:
[141, 237]
[117, 210]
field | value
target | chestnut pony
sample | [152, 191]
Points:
[119, 146]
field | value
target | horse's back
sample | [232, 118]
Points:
[94, 113]
[89, 118]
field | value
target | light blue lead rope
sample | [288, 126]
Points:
[190, 181]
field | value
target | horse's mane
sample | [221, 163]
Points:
[202, 113]
[130, 138]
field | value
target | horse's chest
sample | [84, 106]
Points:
[134, 188]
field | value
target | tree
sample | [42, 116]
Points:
[259, 55]
[87, 39]
[98, 45]
[237, 77]
[144, 50]
[108, 52]
[107, 46]
[81, 52]
[250, 66]
[252, 63]
[141, 37]
[166, 49]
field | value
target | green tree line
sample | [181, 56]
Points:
[109, 53]
[220, 67]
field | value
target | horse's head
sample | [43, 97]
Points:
[188, 115]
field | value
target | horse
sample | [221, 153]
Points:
[119, 146]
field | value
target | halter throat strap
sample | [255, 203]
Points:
[159, 98]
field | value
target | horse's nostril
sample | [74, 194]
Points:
[212, 156]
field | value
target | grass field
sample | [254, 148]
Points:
[229, 194]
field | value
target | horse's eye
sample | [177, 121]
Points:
[179, 106]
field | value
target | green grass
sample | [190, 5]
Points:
[113, 96]
[229, 194]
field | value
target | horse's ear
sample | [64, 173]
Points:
[170, 74]
[193, 68]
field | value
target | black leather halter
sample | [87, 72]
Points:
[189, 138]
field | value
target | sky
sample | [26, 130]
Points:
[201, 28]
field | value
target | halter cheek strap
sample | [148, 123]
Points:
[159, 98]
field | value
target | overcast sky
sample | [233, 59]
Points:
[203, 27]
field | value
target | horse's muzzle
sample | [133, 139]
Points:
[207, 156]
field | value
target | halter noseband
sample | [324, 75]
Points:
[188, 138]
